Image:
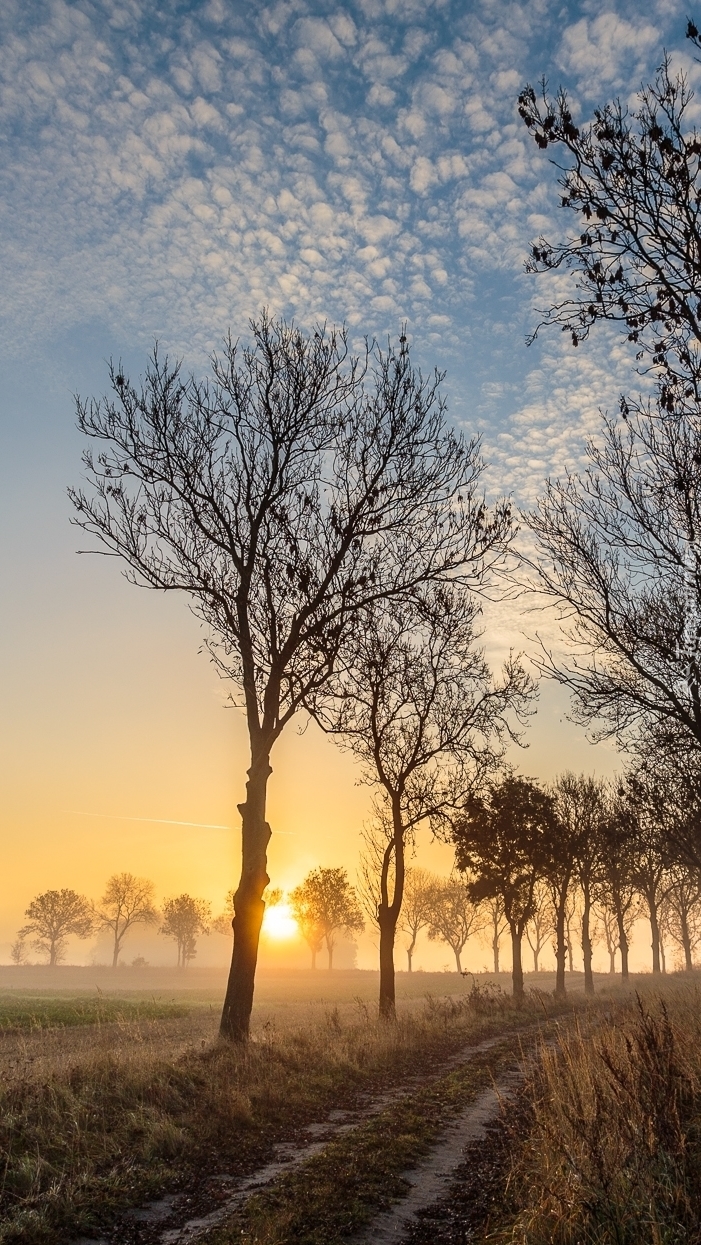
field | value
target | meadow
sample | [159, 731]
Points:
[120, 1100]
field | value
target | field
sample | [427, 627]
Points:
[115, 1094]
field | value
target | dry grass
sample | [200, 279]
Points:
[92, 1120]
[614, 1157]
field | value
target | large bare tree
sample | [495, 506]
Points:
[415, 702]
[127, 901]
[53, 916]
[296, 487]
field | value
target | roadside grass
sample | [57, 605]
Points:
[42, 1012]
[113, 1128]
[614, 1154]
[336, 1193]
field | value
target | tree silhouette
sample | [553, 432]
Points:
[127, 901]
[286, 496]
[53, 916]
[416, 906]
[454, 916]
[327, 902]
[500, 840]
[183, 919]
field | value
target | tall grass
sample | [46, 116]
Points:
[614, 1157]
[112, 1127]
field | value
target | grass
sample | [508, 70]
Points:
[614, 1155]
[113, 1125]
[41, 1012]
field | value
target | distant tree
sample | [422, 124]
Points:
[53, 916]
[416, 704]
[495, 925]
[609, 927]
[501, 841]
[559, 872]
[649, 810]
[416, 906]
[303, 902]
[616, 886]
[183, 919]
[682, 911]
[285, 497]
[325, 900]
[454, 915]
[540, 925]
[586, 800]
[127, 901]
[18, 951]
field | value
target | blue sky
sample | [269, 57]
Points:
[168, 169]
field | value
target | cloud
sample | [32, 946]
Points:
[597, 52]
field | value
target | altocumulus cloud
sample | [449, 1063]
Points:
[170, 168]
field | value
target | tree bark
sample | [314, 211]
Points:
[388, 914]
[587, 949]
[517, 969]
[248, 904]
[410, 953]
[117, 949]
[458, 965]
[560, 946]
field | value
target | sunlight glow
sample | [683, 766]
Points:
[279, 922]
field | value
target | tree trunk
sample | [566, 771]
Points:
[622, 937]
[456, 953]
[410, 952]
[655, 931]
[387, 920]
[329, 947]
[560, 946]
[587, 949]
[117, 948]
[686, 942]
[517, 969]
[495, 948]
[248, 904]
[612, 961]
[388, 913]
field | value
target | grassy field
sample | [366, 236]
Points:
[107, 1099]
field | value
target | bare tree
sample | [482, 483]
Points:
[415, 703]
[127, 901]
[616, 885]
[416, 906]
[454, 915]
[540, 925]
[18, 951]
[495, 926]
[609, 925]
[286, 496]
[53, 916]
[682, 911]
[586, 798]
[560, 872]
[326, 902]
[619, 552]
[183, 919]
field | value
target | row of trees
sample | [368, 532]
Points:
[128, 901]
[329, 527]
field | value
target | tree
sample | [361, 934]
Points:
[53, 916]
[18, 951]
[416, 906]
[540, 925]
[284, 497]
[616, 885]
[327, 902]
[414, 701]
[183, 919]
[619, 553]
[306, 914]
[454, 916]
[496, 924]
[584, 797]
[634, 175]
[609, 925]
[127, 901]
[500, 841]
[682, 911]
[559, 874]
[647, 803]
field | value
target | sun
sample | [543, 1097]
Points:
[279, 923]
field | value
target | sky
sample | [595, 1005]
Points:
[167, 170]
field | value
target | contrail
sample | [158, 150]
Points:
[162, 821]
